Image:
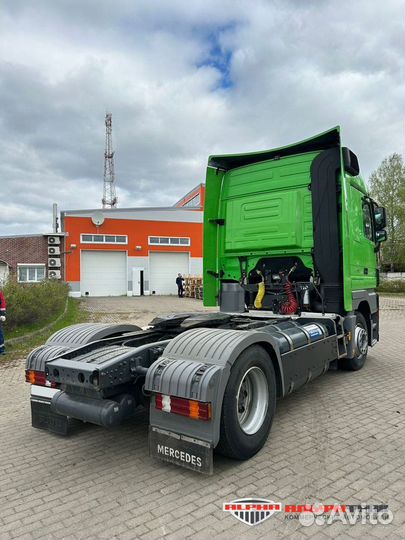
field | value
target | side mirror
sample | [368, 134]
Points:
[350, 162]
[380, 218]
[381, 236]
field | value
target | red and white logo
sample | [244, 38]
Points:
[252, 511]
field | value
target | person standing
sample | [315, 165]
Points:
[2, 320]
[180, 285]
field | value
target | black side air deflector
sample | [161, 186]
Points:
[350, 162]
[325, 215]
[329, 139]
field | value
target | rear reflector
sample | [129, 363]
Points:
[186, 407]
[38, 377]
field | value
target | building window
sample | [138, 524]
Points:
[103, 239]
[195, 202]
[168, 241]
[31, 273]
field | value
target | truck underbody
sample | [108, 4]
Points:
[180, 366]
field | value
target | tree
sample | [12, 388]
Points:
[387, 186]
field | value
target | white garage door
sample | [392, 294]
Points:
[164, 268]
[104, 273]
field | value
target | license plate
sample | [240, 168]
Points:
[181, 450]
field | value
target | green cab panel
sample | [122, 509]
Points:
[259, 205]
[267, 205]
[363, 263]
[262, 209]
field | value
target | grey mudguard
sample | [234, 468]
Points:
[196, 365]
[366, 295]
[83, 333]
[38, 357]
[72, 337]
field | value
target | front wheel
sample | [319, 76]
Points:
[248, 405]
[360, 346]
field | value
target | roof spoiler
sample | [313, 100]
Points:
[327, 139]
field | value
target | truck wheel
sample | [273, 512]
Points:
[361, 346]
[248, 405]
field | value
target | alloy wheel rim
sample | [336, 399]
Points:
[252, 400]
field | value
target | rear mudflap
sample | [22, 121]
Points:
[42, 417]
[181, 450]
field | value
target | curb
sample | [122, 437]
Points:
[20, 339]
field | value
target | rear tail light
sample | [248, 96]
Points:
[186, 407]
[38, 378]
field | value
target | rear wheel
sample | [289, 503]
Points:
[360, 338]
[248, 405]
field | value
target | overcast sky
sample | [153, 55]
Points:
[183, 80]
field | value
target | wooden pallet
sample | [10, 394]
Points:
[193, 287]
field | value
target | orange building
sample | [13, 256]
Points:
[133, 251]
[194, 198]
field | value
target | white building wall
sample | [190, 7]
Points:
[195, 269]
[138, 262]
[196, 266]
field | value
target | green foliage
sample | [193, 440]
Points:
[392, 286]
[31, 304]
[74, 314]
[387, 185]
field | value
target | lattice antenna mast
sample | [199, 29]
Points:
[109, 196]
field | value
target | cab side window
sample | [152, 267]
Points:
[367, 221]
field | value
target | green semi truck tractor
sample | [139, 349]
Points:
[291, 239]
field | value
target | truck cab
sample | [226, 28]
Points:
[295, 221]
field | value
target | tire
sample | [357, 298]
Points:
[361, 338]
[248, 405]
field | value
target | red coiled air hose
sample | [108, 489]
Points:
[289, 307]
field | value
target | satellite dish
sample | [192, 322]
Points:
[97, 218]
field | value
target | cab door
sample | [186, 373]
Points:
[363, 261]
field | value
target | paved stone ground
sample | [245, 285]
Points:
[340, 439]
[139, 310]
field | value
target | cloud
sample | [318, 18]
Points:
[183, 81]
